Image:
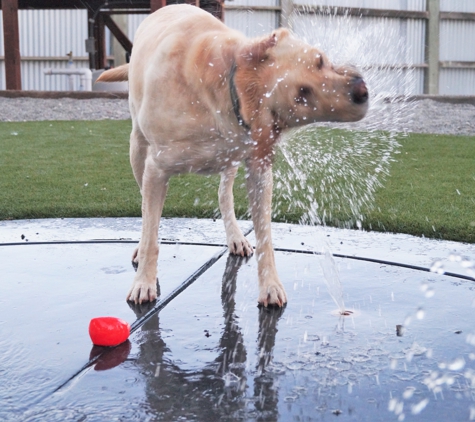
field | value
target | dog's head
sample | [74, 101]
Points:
[295, 84]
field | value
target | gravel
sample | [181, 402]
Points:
[28, 109]
[420, 116]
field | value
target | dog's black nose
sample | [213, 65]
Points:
[359, 92]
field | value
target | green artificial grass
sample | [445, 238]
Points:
[431, 189]
[81, 169]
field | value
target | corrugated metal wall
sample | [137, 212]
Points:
[252, 23]
[46, 37]
[133, 23]
[457, 43]
[385, 48]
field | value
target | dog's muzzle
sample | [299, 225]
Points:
[359, 92]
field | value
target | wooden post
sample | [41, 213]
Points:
[100, 36]
[157, 4]
[286, 9]
[11, 41]
[431, 77]
[91, 41]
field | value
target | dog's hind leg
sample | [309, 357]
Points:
[154, 189]
[237, 243]
[138, 154]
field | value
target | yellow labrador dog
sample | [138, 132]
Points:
[203, 99]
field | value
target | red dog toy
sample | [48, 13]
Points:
[108, 331]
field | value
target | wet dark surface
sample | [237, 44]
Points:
[48, 295]
[212, 354]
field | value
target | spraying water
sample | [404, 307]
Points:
[332, 278]
[330, 176]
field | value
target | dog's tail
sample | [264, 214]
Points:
[118, 74]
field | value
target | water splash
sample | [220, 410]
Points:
[331, 176]
[332, 278]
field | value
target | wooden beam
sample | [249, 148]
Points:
[11, 41]
[252, 8]
[457, 65]
[118, 34]
[64, 58]
[361, 12]
[460, 16]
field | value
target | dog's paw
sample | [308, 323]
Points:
[142, 292]
[272, 294]
[239, 245]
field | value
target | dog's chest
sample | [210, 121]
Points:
[205, 155]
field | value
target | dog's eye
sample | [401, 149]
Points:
[320, 61]
[303, 94]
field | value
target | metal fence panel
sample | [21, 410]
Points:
[252, 23]
[133, 23]
[457, 44]
[451, 35]
[457, 82]
[457, 6]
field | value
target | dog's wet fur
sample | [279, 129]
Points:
[204, 99]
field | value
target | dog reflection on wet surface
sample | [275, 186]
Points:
[204, 99]
[218, 389]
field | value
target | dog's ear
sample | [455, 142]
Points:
[257, 51]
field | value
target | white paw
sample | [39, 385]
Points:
[272, 293]
[239, 245]
[142, 292]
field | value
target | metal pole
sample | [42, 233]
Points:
[431, 77]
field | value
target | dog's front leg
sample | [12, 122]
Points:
[237, 242]
[154, 189]
[259, 187]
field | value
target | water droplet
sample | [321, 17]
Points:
[456, 365]
[429, 292]
[437, 267]
[419, 407]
